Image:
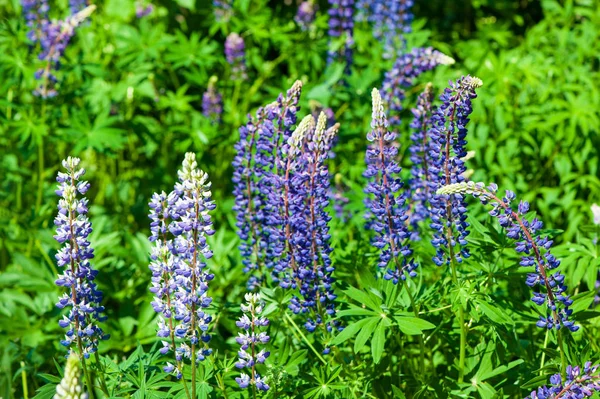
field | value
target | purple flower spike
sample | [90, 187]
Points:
[180, 223]
[402, 75]
[579, 384]
[72, 230]
[236, 56]
[386, 214]
[534, 247]
[54, 38]
[223, 10]
[250, 340]
[341, 32]
[448, 136]
[306, 14]
[212, 102]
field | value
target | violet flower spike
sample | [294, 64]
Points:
[223, 10]
[306, 14]
[534, 247]
[341, 28]
[423, 180]
[448, 148]
[212, 102]
[385, 202]
[579, 383]
[251, 339]
[83, 297]
[236, 56]
[406, 69]
[36, 15]
[54, 39]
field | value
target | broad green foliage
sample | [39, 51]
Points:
[129, 105]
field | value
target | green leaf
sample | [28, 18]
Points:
[349, 332]
[378, 342]
[413, 325]
[365, 333]
[495, 314]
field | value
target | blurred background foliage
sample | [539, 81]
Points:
[129, 105]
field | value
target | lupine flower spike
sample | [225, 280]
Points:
[423, 182]
[448, 135]
[180, 225]
[223, 10]
[250, 340]
[341, 27]
[536, 250]
[306, 14]
[402, 75]
[70, 386]
[579, 384]
[36, 15]
[212, 102]
[72, 230]
[386, 214]
[391, 19]
[236, 56]
[257, 166]
[54, 38]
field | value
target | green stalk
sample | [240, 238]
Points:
[563, 358]
[421, 342]
[88, 377]
[463, 329]
[101, 369]
[24, 381]
[287, 316]
[543, 352]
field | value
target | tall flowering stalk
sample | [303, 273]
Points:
[306, 14]
[36, 15]
[406, 68]
[534, 247]
[579, 383]
[212, 102]
[309, 220]
[385, 202]
[223, 10]
[341, 32]
[82, 297]
[448, 135]
[257, 165]
[72, 230]
[250, 340]
[180, 225]
[423, 182]
[54, 38]
[236, 56]
[70, 387]
[391, 19]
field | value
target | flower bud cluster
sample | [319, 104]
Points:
[578, 384]
[235, 53]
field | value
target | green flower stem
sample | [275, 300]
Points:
[24, 381]
[421, 342]
[287, 316]
[563, 358]
[461, 320]
[101, 369]
[544, 352]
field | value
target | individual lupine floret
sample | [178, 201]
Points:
[402, 75]
[391, 19]
[386, 208]
[534, 247]
[578, 384]
[250, 341]
[72, 230]
[257, 168]
[54, 38]
[423, 182]
[70, 387]
[306, 14]
[223, 10]
[448, 137]
[341, 27]
[236, 56]
[180, 225]
[212, 102]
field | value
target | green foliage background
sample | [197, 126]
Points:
[130, 106]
